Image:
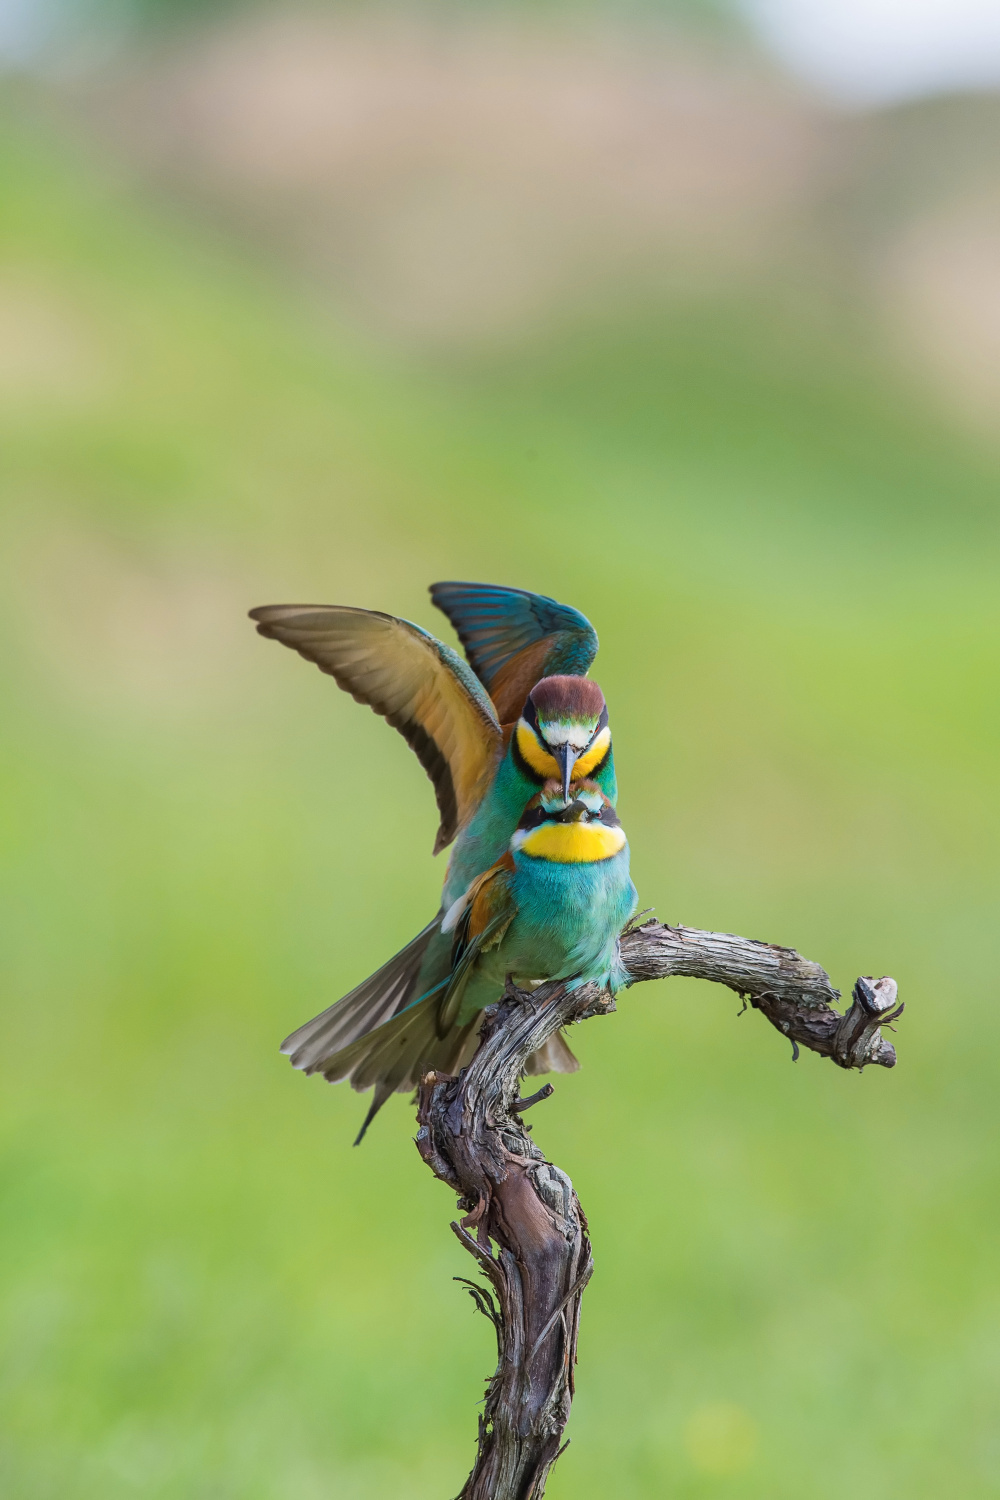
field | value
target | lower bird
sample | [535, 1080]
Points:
[552, 907]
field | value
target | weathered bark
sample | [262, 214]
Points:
[523, 1222]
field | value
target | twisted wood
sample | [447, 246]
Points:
[522, 1221]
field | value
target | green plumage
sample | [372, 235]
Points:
[533, 918]
[528, 654]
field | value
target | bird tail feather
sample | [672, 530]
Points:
[395, 1056]
[381, 1036]
[553, 1056]
[376, 1000]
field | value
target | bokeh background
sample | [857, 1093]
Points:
[689, 316]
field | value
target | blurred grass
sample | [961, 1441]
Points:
[151, 15]
[792, 564]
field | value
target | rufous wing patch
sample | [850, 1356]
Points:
[515, 679]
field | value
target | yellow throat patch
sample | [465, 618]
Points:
[573, 843]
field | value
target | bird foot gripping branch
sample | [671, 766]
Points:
[522, 1221]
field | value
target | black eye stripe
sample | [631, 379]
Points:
[536, 816]
[533, 819]
[595, 771]
[602, 724]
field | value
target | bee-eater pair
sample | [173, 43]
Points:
[518, 747]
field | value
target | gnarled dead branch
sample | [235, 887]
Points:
[522, 1221]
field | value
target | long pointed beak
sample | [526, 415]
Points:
[567, 755]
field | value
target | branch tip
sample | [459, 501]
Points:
[520, 1105]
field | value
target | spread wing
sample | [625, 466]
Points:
[513, 638]
[420, 686]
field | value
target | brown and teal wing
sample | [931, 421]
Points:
[514, 638]
[391, 989]
[395, 1056]
[420, 686]
[426, 1035]
[488, 912]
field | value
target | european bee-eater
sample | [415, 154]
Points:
[554, 724]
[552, 907]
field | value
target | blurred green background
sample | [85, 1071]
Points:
[786, 534]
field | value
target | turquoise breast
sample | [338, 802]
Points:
[488, 834]
[569, 917]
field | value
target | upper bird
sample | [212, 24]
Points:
[488, 734]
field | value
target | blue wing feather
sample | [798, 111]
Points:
[495, 623]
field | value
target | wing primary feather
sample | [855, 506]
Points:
[420, 686]
[379, 1098]
[376, 1000]
[496, 625]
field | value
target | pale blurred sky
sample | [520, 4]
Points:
[876, 51]
[859, 51]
